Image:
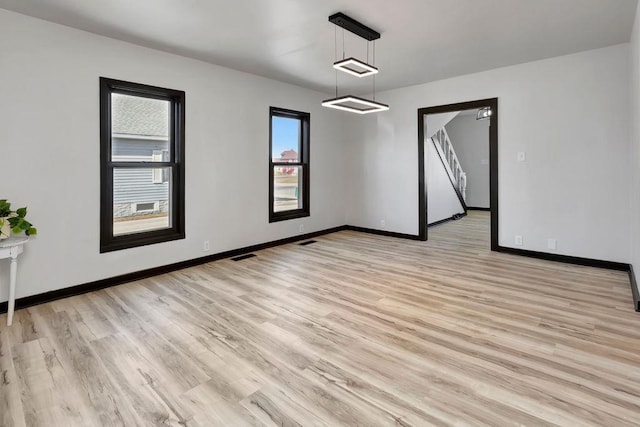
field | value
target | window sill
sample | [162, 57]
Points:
[136, 240]
[283, 216]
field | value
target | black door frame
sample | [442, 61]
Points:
[493, 162]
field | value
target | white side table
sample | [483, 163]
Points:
[11, 248]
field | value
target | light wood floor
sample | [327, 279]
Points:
[352, 330]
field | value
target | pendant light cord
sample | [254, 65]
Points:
[374, 87]
[374, 64]
[368, 43]
[335, 43]
[335, 52]
[343, 44]
[374, 53]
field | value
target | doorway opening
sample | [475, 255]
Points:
[434, 142]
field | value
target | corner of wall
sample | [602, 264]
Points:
[634, 136]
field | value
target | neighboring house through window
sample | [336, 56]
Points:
[160, 175]
[288, 164]
[142, 164]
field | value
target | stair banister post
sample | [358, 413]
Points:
[452, 163]
[464, 186]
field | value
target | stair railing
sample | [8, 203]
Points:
[457, 175]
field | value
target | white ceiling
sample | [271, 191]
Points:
[292, 40]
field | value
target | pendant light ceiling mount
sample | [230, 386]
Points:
[355, 67]
[350, 24]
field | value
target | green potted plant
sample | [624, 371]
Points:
[14, 221]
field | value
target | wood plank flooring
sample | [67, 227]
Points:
[354, 329]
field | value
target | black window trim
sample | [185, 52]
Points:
[305, 134]
[109, 242]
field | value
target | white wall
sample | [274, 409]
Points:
[635, 145]
[568, 114]
[49, 139]
[470, 139]
[443, 202]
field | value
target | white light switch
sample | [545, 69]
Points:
[521, 156]
[484, 161]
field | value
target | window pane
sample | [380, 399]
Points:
[139, 129]
[287, 187]
[141, 199]
[285, 139]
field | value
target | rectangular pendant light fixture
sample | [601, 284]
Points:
[354, 104]
[355, 67]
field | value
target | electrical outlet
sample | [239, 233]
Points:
[383, 223]
[552, 243]
[205, 246]
[519, 240]
[301, 228]
[521, 156]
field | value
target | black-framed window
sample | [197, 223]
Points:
[141, 164]
[288, 164]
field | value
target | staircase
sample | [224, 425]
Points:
[452, 164]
